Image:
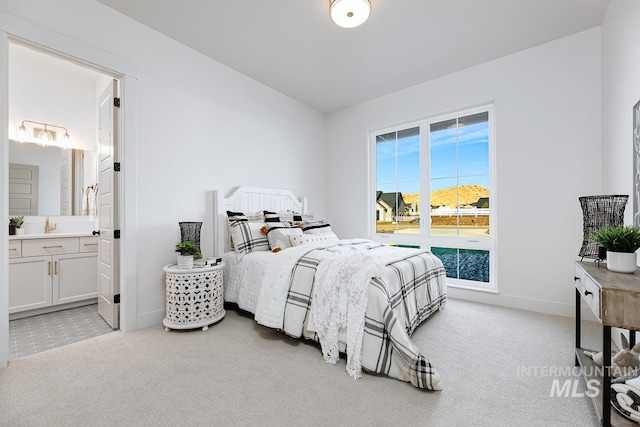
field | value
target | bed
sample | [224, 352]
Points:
[355, 297]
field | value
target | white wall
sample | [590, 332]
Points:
[547, 114]
[620, 92]
[50, 94]
[200, 126]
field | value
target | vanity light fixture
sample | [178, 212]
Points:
[349, 13]
[43, 136]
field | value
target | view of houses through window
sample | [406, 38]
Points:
[433, 189]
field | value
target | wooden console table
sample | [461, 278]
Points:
[615, 300]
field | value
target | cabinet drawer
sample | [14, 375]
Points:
[579, 273]
[578, 277]
[15, 249]
[589, 290]
[40, 247]
[89, 244]
[591, 294]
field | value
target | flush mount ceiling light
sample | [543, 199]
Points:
[349, 13]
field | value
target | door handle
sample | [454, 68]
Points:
[55, 267]
[49, 268]
[96, 233]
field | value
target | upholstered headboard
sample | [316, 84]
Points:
[249, 200]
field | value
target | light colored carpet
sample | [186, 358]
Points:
[240, 374]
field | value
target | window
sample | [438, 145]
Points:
[433, 188]
[398, 181]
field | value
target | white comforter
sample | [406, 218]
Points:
[409, 290]
[277, 277]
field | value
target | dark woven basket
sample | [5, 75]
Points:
[190, 231]
[598, 212]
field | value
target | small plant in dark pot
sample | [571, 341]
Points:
[621, 243]
[15, 222]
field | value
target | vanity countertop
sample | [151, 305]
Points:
[49, 236]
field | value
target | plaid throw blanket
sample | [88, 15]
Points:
[411, 288]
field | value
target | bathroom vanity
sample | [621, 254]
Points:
[50, 272]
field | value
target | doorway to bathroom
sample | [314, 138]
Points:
[62, 118]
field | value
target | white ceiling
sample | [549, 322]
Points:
[293, 47]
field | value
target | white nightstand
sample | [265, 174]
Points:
[195, 297]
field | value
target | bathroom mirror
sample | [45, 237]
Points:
[59, 186]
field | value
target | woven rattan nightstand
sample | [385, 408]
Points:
[195, 297]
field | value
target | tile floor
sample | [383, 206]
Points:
[46, 331]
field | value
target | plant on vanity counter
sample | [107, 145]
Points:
[17, 221]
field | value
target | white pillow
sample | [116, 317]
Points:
[279, 238]
[328, 236]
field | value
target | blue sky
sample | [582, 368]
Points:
[473, 159]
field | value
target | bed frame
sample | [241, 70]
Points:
[249, 200]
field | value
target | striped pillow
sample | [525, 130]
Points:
[247, 237]
[241, 216]
[286, 216]
[314, 227]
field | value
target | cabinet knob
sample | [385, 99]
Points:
[96, 233]
[587, 293]
[575, 278]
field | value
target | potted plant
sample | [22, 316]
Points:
[17, 222]
[621, 243]
[187, 251]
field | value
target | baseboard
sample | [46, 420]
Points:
[150, 318]
[154, 318]
[51, 309]
[522, 303]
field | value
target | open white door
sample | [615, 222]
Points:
[108, 286]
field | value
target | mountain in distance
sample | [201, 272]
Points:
[452, 197]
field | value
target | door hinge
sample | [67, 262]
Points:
[116, 166]
[116, 102]
[116, 234]
[116, 299]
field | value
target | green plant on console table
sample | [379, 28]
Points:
[620, 238]
[188, 248]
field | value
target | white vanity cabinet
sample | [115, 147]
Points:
[52, 271]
